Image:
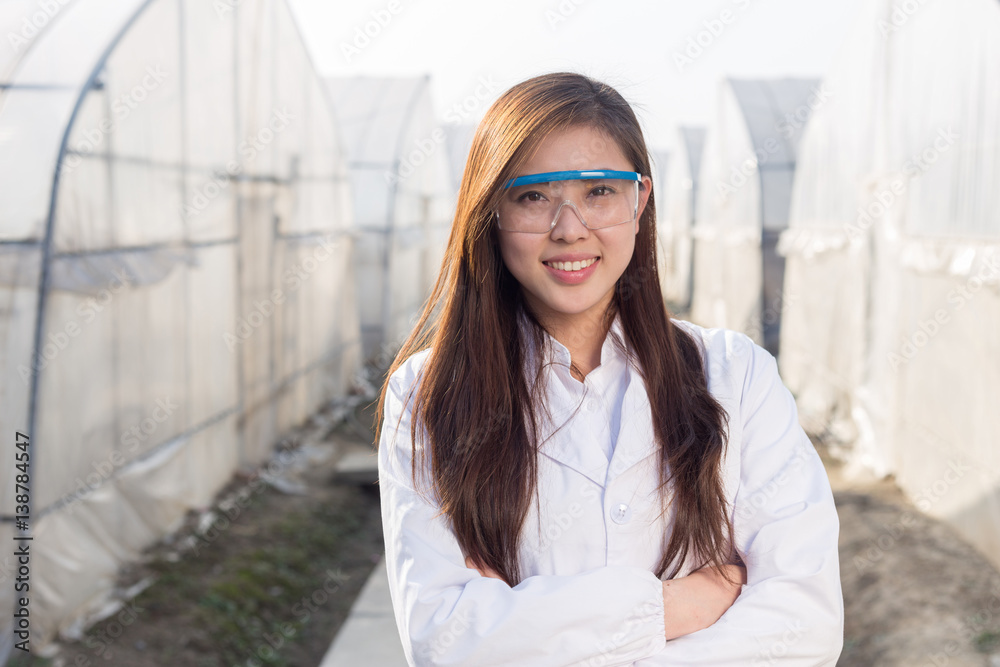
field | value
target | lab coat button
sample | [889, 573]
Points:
[621, 513]
[592, 405]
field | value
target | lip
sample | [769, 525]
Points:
[572, 277]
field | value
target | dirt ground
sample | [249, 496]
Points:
[915, 594]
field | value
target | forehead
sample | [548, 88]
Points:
[576, 147]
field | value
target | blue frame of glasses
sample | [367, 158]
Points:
[580, 174]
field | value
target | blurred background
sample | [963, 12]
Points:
[220, 218]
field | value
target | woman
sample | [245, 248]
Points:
[568, 475]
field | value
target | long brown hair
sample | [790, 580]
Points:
[477, 406]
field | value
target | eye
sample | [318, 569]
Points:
[531, 196]
[602, 191]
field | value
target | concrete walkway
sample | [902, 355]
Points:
[368, 637]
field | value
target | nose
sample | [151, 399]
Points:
[569, 223]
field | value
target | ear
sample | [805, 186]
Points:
[646, 187]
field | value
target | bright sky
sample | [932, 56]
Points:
[666, 57]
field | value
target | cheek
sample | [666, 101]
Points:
[618, 248]
[518, 254]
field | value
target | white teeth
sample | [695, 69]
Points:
[572, 266]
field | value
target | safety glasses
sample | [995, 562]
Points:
[600, 197]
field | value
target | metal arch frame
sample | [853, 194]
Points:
[46, 256]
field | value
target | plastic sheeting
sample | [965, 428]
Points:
[459, 142]
[676, 216]
[659, 165]
[895, 240]
[399, 166]
[746, 185]
[175, 283]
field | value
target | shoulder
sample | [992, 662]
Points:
[738, 369]
[407, 375]
[724, 350]
[401, 390]
[396, 447]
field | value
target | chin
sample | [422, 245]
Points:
[570, 306]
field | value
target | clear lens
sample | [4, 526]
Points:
[599, 203]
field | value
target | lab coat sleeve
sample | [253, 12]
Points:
[448, 614]
[791, 612]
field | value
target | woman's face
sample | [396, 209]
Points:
[551, 293]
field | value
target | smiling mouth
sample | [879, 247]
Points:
[572, 266]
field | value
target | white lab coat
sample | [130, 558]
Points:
[589, 596]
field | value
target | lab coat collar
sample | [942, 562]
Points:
[635, 438]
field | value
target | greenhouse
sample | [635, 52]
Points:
[894, 245]
[175, 244]
[676, 214]
[746, 178]
[459, 142]
[403, 199]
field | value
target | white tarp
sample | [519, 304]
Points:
[176, 202]
[459, 142]
[398, 160]
[745, 186]
[676, 214]
[894, 244]
[660, 166]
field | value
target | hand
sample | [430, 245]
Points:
[484, 571]
[698, 600]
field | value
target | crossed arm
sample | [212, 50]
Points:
[690, 603]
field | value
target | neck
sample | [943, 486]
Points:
[583, 334]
